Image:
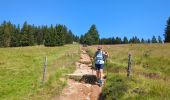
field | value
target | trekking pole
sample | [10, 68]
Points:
[92, 66]
[106, 68]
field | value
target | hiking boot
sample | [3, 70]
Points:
[99, 81]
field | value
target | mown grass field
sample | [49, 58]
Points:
[21, 71]
[150, 79]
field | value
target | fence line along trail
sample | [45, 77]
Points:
[85, 88]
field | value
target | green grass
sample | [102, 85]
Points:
[150, 79]
[21, 71]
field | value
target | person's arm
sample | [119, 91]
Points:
[105, 53]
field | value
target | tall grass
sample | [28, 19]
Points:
[21, 71]
[150, 78]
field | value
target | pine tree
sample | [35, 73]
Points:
[148, 41]
[24, 36]
[142, 40]
[92, 36]
[76, 38]
[154, 39]
[38, 35]
[1, 35]
[113, 40]
[106, 41]
[118, 40]
[15, 37]
[7, 34]
[167, 31]
[45, 32]
[60, 37]
[82, 39]
[53, 37]
[6, 31]
[109, 41]
[69, 37]
[159, 39]
[134, 40]
[49, 39]
[125, 40]
[31, 35]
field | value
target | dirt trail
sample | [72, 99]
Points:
[86, 89]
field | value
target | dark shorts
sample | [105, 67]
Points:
[99, 66]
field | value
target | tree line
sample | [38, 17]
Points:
[92, 37]
[12, 35]
[125, 40]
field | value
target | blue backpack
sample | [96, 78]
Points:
[100, 57]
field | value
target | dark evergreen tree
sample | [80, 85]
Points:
[118, 40]
[6, 32]
[125, 40]
[26, 36]
[154, 39]
[60, 37]
[30, 33]
[15, 37]
[38, 35]
[1, 36]
[82, 39]
[134, 40]
[69, 37]
[159, 39]
[167, 31]
[148, 41]
[92, 36]
[76, 38]
[113, 40]
[55, 36]
[106, 41]
[49, 39]
[142, 40]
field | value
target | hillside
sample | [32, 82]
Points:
[150, 72]
[21, 71]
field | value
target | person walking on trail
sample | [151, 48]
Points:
[100, 57]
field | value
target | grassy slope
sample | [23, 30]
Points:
[21, 71]
[151, 70]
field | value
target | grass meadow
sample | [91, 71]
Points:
[21, 71]
[150, 79]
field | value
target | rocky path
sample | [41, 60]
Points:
[85, 89]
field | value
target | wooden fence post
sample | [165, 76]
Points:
[44, 69]
[129, 66]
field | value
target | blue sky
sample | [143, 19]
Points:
[142, 18]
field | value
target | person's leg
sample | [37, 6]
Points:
[97, 71]
[101, 74]
[97, 74]
[101, 71]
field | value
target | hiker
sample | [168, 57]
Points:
[100, 57]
